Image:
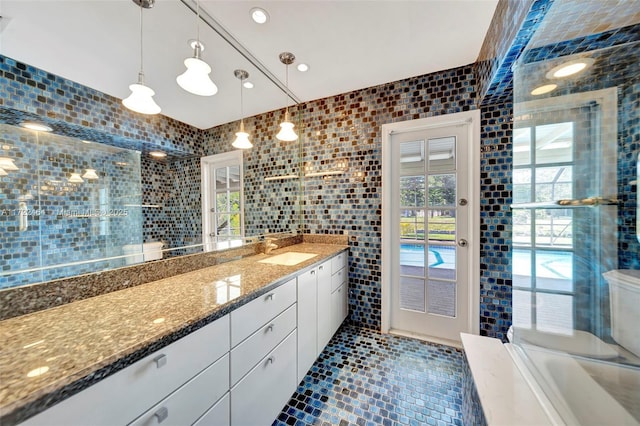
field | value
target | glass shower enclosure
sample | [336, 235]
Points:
[67, 206]
[576, 256]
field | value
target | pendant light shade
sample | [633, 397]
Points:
[75, 178]
[196, 78]
[286, 132]
[90, 174]
[7, 164]
[3, 172]
[242, 138]
[141, 97]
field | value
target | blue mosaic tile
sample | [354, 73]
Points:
[365, 378]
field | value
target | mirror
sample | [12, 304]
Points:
[159, 201]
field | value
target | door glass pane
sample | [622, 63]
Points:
[522, 311]
[441, 298]
[234, 201]
[412, 260]
[411, 158]
[442, 225]
[554, 183]
[442, 190]
[412, 191]
[221, 202]
[554, 270]
[521, 146]
[522, 226]
[554, 228]
[234, 177]
[412, 294]
[442, 262]
[235, 224]
[554, 313]
[522, 268]
[221, 178]
[522, 185]
[554, 143]
[442, 154]
[222, 225]
[412, 224]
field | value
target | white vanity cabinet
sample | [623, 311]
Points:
[339, 291]
[314, 300]
[263, 356]
[153, 387]
[239, 370]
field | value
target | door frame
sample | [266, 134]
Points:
[208, 200]
[472, 120]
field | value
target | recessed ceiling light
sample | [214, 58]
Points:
[303, 67]
[259, 15]
[570, 68]
[541, 90]
[158, 154]
[248, 85]
[39, 127]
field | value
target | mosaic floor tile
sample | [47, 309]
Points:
[365, 378]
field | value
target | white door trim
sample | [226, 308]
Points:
[473, 119]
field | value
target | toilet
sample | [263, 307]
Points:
[624, 300]
[150, 251]
[624, 297]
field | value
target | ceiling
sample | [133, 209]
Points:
[348, 45]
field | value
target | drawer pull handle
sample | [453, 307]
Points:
[271, 359]
[160, 360]
[270, 327]
[313, 272]
[162, 414]
[321, 267]
[270, 296]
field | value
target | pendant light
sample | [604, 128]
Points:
[141, 97]
[196, 78]
[286, 132]
[90, 174]
[242, 138]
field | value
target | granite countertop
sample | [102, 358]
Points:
[82, 342]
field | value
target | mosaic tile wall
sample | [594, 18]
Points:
[270, 206]
[56, 99]
[495, 63]
[495, 219]
[66, 222]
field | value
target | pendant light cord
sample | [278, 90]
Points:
[241, 108]
[141, 73]
[286, 96]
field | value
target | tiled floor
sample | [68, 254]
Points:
[365, 378]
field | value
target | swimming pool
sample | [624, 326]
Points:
[549, 264]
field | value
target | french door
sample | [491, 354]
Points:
[427, 243]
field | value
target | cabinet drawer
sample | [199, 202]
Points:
[247, 354]
[338, 262]
[194, 398]
[125, 395]
[338, 279]
[218, 415]
[260, 395]
[248, 318]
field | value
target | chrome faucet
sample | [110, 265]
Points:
[269, 245]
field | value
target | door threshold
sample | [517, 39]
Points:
[426, 338]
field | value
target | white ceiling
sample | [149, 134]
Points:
[349, 45]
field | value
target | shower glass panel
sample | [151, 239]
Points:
[69, 207]
[575, 255]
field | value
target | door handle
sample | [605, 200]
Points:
[462, 242]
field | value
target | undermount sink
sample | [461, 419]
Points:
[288, 259]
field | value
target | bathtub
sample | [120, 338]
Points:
[580, 391]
